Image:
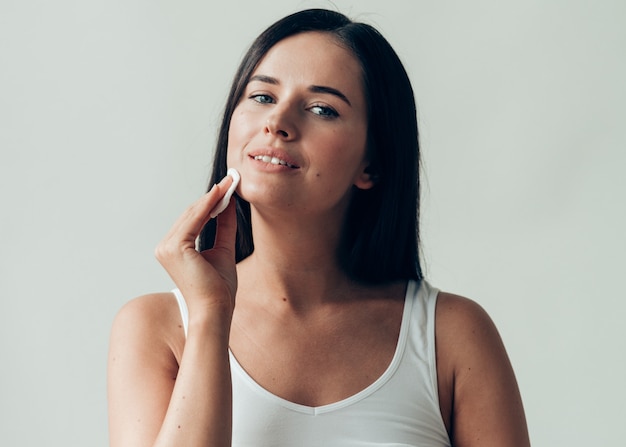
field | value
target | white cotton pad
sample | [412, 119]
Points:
[226, 199]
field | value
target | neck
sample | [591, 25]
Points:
[295, 259]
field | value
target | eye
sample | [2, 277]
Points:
[262, 98]
[324, 111]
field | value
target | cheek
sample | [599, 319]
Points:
[239, 132]
[237, 123]
[346, 148]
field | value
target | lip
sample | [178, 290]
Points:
[275, 153]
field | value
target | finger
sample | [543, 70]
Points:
[226, 235]
[189, 225]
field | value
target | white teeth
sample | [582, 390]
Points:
[272, 160]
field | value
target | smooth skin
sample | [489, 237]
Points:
[165, 390]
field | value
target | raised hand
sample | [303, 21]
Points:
[208, 279]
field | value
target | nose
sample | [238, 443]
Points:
[281, 125]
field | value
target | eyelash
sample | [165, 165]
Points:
[256, 98]
[327, 112]
[324, 111]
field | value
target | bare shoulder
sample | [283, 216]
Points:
[148, 309]
[144, 353]
[462, 322]
[152, 321]
[479, 396]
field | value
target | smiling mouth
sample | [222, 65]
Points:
[274, 161]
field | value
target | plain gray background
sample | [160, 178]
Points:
[108, 113]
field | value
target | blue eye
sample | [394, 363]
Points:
[324, 111]
[262, 99]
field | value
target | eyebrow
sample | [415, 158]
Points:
[313, 88]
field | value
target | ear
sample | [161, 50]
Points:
[366, 178]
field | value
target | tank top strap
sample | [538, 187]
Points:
[420, 349]
[184, 311]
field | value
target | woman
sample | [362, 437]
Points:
[332, 338]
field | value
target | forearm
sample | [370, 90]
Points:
[200, 409]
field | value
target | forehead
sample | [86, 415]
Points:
[314, 58]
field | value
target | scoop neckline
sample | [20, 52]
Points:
[411, 290]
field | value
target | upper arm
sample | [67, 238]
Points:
[142, 369]
[478, 389]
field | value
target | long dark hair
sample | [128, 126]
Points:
[380, 239]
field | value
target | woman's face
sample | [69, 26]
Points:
[298, 134]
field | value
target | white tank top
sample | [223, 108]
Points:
[401, 408]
